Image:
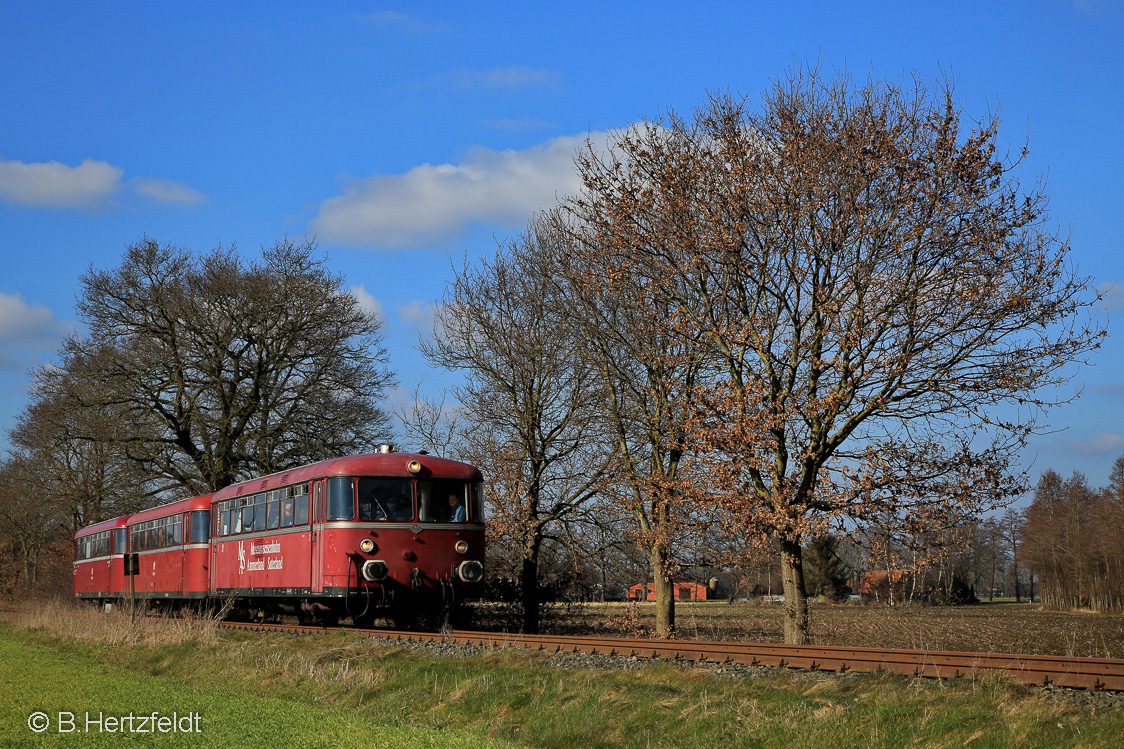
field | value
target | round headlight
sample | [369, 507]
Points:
[414, 466]
[366, 546]
[471, 571]
[373, 570]
[461, 547]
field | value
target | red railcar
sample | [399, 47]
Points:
[354, 536]
[358, 536]
[99, 560]
[171, 543]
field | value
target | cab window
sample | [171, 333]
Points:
[341, 499]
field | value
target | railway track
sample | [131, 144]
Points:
[1039, 670]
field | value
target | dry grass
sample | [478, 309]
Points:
[994, 627]
[65, 618]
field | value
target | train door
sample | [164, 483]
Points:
[317, 525]
[213, 552]
[184, 540]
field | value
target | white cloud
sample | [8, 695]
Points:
[431, 203]
[24, 328]
[412, 24]
[1112, 295]
[167, 191]
[91, 184]
[387, 18]
[417, 313]
[52, 184]
[1105, 442]
[369, 303]
[514, 78]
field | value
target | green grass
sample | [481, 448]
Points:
[75, 680]
[342, 690]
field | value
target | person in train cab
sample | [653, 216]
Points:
[396, 509]
[457, 508]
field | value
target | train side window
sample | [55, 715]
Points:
[476, 506]
[300, 515]
[287, 512]
[247, 515]
[177, 531]
[273, 518]
[341, 499]
[200, 526]
[122, 537]
[259, 512]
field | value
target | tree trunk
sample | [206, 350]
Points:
[529, 582]
[665, 593]
[795, 595]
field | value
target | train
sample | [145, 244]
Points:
[385, 534]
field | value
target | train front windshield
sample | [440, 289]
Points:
[449, 501]
[389, 500]
[385, 499]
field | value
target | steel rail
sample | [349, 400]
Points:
[1039, 670]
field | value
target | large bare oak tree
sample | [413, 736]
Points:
[222, 368]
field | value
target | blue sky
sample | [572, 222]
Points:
[401, 135]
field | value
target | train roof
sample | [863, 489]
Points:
[369, 464]
[104, 525]
[202, 502]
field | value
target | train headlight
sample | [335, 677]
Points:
[470, 571]
[461, 547]
[373, 570]
[366, 546]
[414, 466]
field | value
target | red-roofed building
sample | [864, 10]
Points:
[877, 584]
[683, 592]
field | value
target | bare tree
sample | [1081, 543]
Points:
[871, 279]
[647, 372]
[29, 521]
[1071, 539]
[528, 401]
[82, 471]
[222, 368]
[1011, 529]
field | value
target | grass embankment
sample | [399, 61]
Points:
[341, 690]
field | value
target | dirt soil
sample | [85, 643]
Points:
[985, 627]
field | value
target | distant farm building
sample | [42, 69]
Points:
[683, 592]
[876, 585]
